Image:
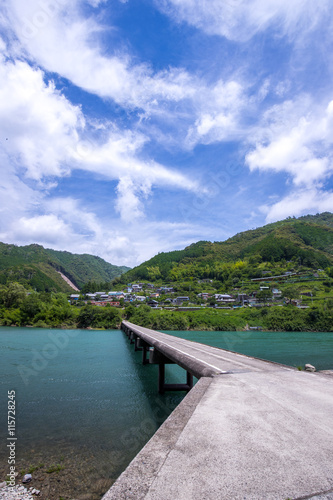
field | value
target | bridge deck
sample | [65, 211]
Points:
[249, 429]
[200, 359]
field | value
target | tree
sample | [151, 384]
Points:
[291, 293]
[154, 273]
[264, 296]
[15, 295]
[31, 306]
[86, 316]
[129, 311]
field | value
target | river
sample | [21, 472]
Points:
[85, 405]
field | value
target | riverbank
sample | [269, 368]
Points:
[274, 318]
[73, 475]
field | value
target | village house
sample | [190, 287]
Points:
[116, 295]
[105, 296]
[224, 298]
[152, 303]
[204, 295]
[243, 298]
[165, 289]
[180, 300]
[140, 298]
[103, 303]
[129, 297]
[74, 296]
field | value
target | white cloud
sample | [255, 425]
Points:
[128, 204]
[46, 228]
[62, 41]
[300, 202]
[242, 19]
[67, 224]
[48, 138]
[118, 157]
[219, 113]
[16, 198]
[45, 137]
[296, 138]
[37, 124]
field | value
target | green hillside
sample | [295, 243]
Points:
[39, 268]
[299, 244]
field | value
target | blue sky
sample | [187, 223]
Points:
[131, 127]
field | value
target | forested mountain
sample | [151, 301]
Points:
[37, 267]
[306, 242]
[291, 244]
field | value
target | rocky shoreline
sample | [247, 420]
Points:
[17, 492]
[72, 474]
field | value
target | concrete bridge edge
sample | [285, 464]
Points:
[135, 482]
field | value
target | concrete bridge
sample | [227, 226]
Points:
[249, 429]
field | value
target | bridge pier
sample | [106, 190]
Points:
[156, 357]
[162, 386]
[145, 349]
[137, 346]
[143, 346]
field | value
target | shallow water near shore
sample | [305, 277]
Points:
[86, 405]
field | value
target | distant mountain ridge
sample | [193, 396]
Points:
[40, 268]
[307, 240]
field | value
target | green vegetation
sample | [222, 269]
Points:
[33, 468]
[38, 268]
[286, 318]
[99, 317]
[273, 269]
[55, 468]
[49, 310]
[205, 319]
[302, 244]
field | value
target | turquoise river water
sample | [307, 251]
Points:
[85, 402]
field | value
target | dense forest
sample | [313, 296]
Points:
[39, 268]
[306, 243]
